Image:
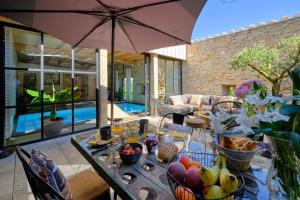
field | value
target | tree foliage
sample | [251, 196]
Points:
[273, 63]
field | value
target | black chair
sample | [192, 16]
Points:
[85, 185]
[39, 188]
[178, 118]
[231, 107]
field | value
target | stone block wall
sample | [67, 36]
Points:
[207, 68]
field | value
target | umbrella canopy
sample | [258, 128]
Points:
[126, 25]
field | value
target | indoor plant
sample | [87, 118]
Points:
[53, 123]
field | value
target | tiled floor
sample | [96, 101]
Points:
[13, 182]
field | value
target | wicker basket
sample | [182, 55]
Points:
[206, 160]
[241, 159]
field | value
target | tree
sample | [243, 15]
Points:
[273, 63]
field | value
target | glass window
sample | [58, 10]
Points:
[85, 60]
[18, 84]
[58, 86]
[61, 123]
[23, 107]
[86, 87]
[22, 48]
[169, 76]
[22, 124]
[84, 116]
[57, 54]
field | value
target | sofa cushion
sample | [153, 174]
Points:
[177, 100]
[50, 172]
[186, 98]
[206, 107]
[192, 108]
[205, 100]
[195, 100]
[214, 99]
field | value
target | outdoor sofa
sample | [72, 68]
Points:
[193, 102]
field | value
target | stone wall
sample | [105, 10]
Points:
[207, 68]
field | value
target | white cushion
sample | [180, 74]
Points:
[196, 100]
[176, 100]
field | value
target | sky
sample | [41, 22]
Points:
[217, 16]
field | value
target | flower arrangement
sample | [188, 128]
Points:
[279, 119]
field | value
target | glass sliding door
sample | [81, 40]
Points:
[169, 78]
[38, 65]
[57, 117]
[22, 115]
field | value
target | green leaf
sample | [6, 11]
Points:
[285, 135]
[295, 76]
[288, 109]
[296, 123]
[295, 138]
[32, 93]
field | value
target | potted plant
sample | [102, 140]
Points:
[53, 123]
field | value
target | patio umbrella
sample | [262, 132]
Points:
[126, 25]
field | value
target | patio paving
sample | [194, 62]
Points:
[14, 185]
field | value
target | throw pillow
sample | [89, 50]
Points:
[205, 100]
[214, 100]
[176, 100]
[49, 171]
[196, 100]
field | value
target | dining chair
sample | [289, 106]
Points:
[86, 185]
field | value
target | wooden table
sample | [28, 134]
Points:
[150, 174]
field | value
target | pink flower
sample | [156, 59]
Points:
[245, 88]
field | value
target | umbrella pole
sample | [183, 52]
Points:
[112, 76]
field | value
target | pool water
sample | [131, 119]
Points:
[131, 107]
[31, 122]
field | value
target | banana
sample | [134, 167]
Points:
[228, 182]
[209, 176]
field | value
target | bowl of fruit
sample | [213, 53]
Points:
[131, 152]
[199, 176]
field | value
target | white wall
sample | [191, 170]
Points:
[178, 52]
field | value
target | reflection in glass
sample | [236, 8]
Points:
[17, 82]
[86, 87]
[85, 60]
[57, 54]
[22, 48]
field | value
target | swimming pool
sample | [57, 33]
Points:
[131, 107]
[31, 122]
